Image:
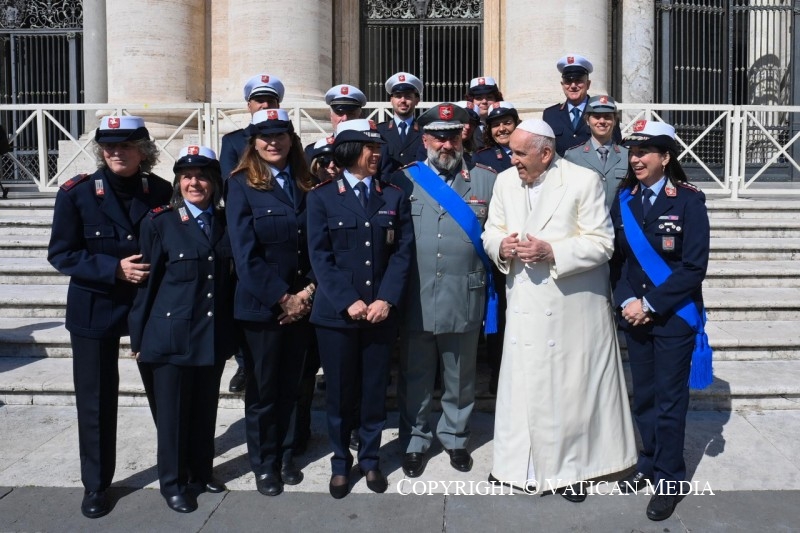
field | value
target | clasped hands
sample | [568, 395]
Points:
[634, 314]
[130, 270]
[295, 307]
[375, 312]
[531, 250]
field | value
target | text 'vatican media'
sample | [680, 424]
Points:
[408, 487]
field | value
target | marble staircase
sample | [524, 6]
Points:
[752, 293]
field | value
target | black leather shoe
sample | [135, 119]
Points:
[269, 484]
[339, 486]
[214, 486]
[238, 381]
[95, 504]
[661, 506]
[182, 503]
[290, 474]
[634, 483]
[414, 464]
[573, 493]
[354, 441]
[376, 481]
[460, 459]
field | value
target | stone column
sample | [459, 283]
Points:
[292, 41]
[493, 49]
[156, 51]
[95, 73]
[539, 33]
[638, 51]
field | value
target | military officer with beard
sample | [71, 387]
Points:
[444, 306]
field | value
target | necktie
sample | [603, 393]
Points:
[603, 151]
[403, 127]
[205, 223]
[362, 194]
[287, 185]
[576, 118]
[646, 205]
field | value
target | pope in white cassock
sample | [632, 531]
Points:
[562, 413]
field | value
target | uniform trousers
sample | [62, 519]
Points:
[418, 357]
[660, 372]
[96, 377]
[306, 397]
[356, 365]
[273, 358]
[186, 418]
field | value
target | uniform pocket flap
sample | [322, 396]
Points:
[97, 231]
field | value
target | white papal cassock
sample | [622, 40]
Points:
[562, 405]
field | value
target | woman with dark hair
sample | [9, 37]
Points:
[95, 241]
[501, 122]
[266, 210]
[659, 263]
[360, 237]
[181, 321]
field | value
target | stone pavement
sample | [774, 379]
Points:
[749, 460]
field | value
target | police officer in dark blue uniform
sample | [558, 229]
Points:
[401, 132]
[483, 92]
[567, 119]
[501, 122]
[360, 237]
[660, 222]
[95, 241]
[266, 210]
[181, 324]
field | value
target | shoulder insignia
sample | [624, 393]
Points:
[393, 186]
[160, 210]
[484, 167]
[408, 165]
[687, 185]
[616, 148]
[585, 147]
[483, 149]
[69, 184]
[327, 181]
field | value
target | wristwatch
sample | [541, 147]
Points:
[645, 307]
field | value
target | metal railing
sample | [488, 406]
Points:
[740, 152]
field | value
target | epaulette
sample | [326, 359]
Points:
[327, 181]
[484, 167]
[69, 184]
[483, 149]
[687, 185]
[392, 185]
[577, 146]
[160, 210]
[408, 165]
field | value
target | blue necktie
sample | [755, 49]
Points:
[362, 194]
[205, 219]
[646, 205]
[403, 127]
[287, 185]
[576, 118]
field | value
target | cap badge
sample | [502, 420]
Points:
[639, 125]
[272, 114]
[265, 78]
[401, 77]
[330, 139]
[192, 150]
[372, 125]
[446, 111]
[481, 81]
[113, 122]
[495, 105]
[570, 59]
[604, 99]
[344, 90]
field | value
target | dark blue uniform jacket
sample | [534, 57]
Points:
[677, 228]
[358, 254]
[183, 314]
[90, 234]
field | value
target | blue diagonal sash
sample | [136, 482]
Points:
[658, 271]
[464, 217]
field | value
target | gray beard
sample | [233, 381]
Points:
[449, 164]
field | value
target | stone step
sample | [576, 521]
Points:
[24, 245]
[747, 340]
[743, 273]
[760, 208]
[755, 249]
[765, 228]
[29, 271]
[29, 225]
[33, 301]
[738, 385]
[752, 303]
